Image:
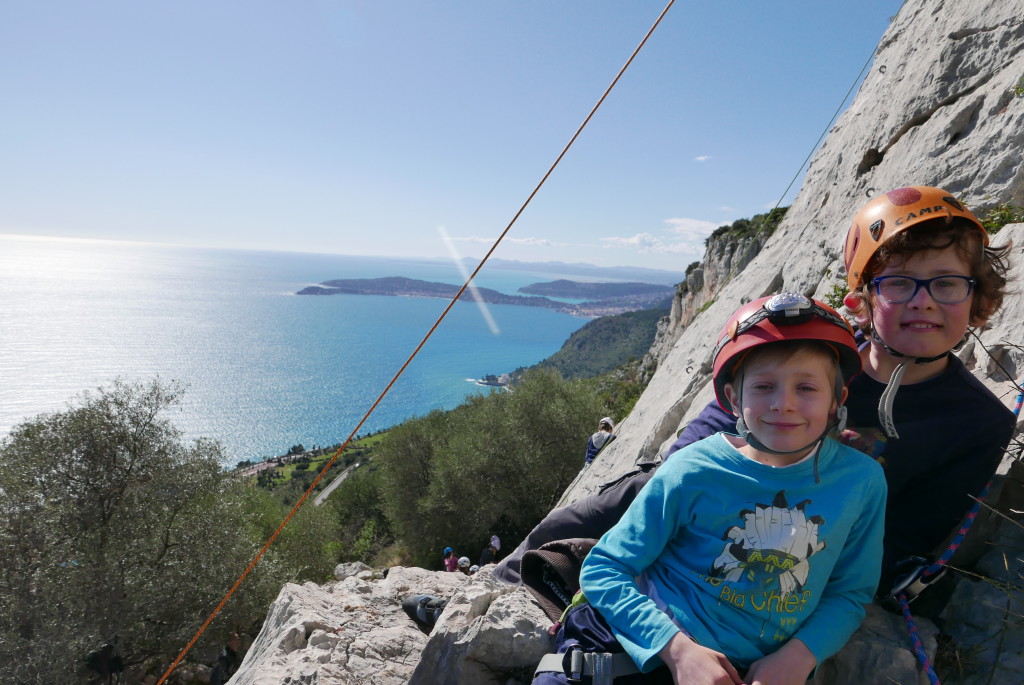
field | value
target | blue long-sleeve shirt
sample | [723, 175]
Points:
[743, 555]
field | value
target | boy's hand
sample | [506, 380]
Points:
[789, 665]
[692, 664]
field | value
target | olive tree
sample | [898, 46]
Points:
[114, 529]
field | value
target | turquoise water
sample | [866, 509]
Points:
[265, 369]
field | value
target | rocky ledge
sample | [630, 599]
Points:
[354, 630]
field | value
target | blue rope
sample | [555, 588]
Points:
[915, 641]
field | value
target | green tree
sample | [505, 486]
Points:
[496, 464]
[113, 528]
[359, 509]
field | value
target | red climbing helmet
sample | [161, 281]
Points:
[786, 316]
[893, 212]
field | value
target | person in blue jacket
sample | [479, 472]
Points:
[597, 441]
[755, 550]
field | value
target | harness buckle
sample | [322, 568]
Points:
[576, 664]
[912, 583]
[601, 664]
[598, 665]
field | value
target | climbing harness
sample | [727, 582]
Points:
[415, 351]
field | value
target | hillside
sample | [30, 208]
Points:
[594, 291]
[605, 344]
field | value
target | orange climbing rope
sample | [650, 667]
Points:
[412, 356]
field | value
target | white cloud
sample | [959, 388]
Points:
[691, 229]
[643, 242]
[727, 208]
[702, 158]
[543, 242]
[683, 236]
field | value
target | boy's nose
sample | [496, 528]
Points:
[783, 399]
[922, 298]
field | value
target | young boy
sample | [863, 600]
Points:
[759, 549]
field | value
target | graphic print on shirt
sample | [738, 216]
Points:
[772, 547]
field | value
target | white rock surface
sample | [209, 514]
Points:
[350, 631]
[489, 634]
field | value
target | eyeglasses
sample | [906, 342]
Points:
[947, 289]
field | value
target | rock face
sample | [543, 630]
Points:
[355, 631]
[489, 634]
[935, 109]
[350, 631]
[724, 257]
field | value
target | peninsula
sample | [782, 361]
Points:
[602, 298]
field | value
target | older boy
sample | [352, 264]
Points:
[757, 550]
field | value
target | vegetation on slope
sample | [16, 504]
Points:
[115, 529]
[606, 343]
[765, 223]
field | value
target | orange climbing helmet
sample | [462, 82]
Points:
[786, 316]
[893, 212]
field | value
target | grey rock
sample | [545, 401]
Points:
[489, 634]
[351, 631]
[985, 618]
[355, 568]
[877, 653]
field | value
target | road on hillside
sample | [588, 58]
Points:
[334, 483]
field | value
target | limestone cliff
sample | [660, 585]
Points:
[936, 108]
[727, 252]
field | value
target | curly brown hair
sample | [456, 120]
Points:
[989, 265]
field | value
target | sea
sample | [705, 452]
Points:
[263, 369]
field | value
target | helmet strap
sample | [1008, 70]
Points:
[885, 402]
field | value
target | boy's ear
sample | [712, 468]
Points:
[846, 393]
[733, 397]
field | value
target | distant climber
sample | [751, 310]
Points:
[490, 553]
[451, 560]
[227, 661]
[599, 439]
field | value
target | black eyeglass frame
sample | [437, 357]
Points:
[926, 283]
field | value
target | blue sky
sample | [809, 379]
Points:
[362, 127]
